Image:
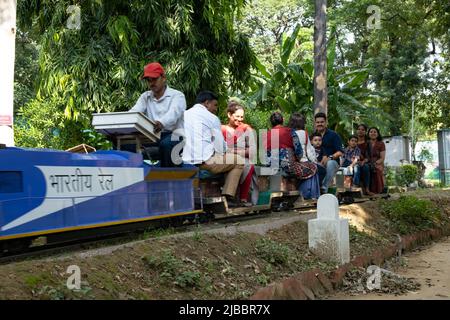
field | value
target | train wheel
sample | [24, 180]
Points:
[277, 206]
[348, 200]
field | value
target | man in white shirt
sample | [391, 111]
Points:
[205, 146]
[164, 106]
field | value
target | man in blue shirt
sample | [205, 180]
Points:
[332, 146]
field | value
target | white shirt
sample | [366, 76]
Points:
[168, 109]
[203, 135]
[308, 150]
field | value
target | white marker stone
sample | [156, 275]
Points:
[328, 235]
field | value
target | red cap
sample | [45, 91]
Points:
[153, 70]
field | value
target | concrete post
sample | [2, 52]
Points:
[328, 235]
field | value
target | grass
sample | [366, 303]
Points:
[172, 269]
[272, 251]
[156, 233]
[408, 214]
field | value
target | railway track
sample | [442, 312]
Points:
[138, 233]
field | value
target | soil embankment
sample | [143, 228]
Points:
[228, 263]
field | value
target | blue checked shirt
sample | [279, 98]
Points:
[349, 154]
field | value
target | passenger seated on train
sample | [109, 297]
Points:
[165, 107]
[283, 152]
[361, 133]
[332, 145]
[205, 146]
[240, 139]
[309, 182]
[316, 141]
[350, 160]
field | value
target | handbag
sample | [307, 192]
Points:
[302, 170]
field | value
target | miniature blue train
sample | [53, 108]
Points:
[48, 191]
[66, 196]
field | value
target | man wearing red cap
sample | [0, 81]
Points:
[164, 106]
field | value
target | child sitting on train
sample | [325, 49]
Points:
[350, 161]
[316, 141]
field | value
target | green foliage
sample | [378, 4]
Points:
[362, 239]
[258, 119]
[409, 213]
[272, 251]
[406, 174]
[173, 269]
[265, 22]
[25, 69]
[289, 87]
[41, 125]
[391, 176]
[262, 279]
[167, 263]
[197, 236]
[188, 279]
[156, 233]
[52, 293]
[32, 281]
[97, 68]
[95, 139]
[407, 55]
[425, 155]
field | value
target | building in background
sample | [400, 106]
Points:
[398, 150]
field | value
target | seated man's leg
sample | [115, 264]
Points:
[356, 174]
[166, 144]
[221, 164]
[322, 173]
[332, 168]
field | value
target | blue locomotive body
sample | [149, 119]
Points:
[49, 191]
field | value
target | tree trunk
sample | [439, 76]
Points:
[320, 58]
[7, 52]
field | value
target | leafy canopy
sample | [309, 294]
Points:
[97, 68]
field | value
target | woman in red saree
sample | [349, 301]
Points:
[240, 137]
[376, 152]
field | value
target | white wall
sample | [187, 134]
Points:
[398, 149]
[7, 52]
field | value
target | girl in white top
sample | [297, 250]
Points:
[297, 123]
[309, 187]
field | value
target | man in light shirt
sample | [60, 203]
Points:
[165, 107]
[205, 146]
